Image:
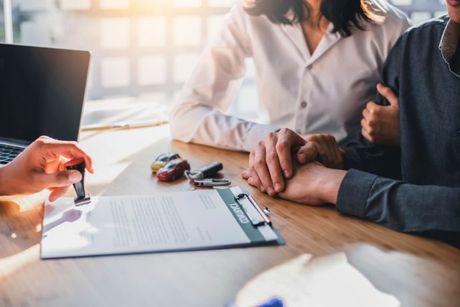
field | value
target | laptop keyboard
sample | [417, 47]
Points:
[8, 153]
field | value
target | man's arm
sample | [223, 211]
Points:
[399, 205]
[199, 117]
[395, 204]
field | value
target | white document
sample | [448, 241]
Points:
[132, 224]
[328, 281]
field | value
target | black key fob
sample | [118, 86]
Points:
[210, 170]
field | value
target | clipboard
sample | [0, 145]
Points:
[257, 219]
[169, 222]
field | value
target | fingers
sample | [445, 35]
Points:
[367, 136]
[246, 174]
[307, 153]
[254, 180]
[370, 124]
[287, 142]
[250, 174]
[388, 94]
[57, 180]
[327, 149]
[70, 150]
[369, 130]
[336, 157]
[57, 193]
[274, 166]
[260, 167]
[323, 145]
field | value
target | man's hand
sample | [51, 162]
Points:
[271, 162]
[380, 124]
[41, 166]
[314, 185]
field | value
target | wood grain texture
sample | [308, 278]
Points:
[418, 271]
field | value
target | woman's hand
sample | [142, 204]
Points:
[324, 148]
[41, 166]
[380, 124]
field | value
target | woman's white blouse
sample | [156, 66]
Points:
[323, 92]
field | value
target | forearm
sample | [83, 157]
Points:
[329, 185]
[398, 205]
[203, 125]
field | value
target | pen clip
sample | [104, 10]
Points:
[262, 215]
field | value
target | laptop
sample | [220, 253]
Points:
[42, 92]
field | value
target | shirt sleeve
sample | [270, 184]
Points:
[199, 116]
[375, 158]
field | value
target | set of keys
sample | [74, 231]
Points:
[203, 177]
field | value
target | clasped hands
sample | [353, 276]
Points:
[297, 168]
[308, 169]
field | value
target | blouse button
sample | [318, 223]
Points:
[303, 105]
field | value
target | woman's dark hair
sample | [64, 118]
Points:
[343, 14]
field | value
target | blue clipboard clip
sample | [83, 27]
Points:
[257, 216]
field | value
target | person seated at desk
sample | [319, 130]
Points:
[317, 62]
[413, 188]
[42, 166]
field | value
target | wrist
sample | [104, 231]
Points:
[329, 185]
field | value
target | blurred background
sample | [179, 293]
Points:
[143, 50]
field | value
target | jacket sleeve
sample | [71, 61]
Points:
[199, 115]
[373, 190]
[399, 205]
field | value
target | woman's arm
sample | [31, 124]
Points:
[199, 116]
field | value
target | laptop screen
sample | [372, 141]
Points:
[41, 92]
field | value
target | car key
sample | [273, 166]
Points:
[207, 171]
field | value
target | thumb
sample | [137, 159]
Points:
[307, 153]
[388, 94]
[59, 179]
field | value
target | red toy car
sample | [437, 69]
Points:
[173, 170]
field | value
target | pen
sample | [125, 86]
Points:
[125, 126]
[273, 302]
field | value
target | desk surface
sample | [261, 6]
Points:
[418, 271]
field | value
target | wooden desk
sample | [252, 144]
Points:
[418, 271]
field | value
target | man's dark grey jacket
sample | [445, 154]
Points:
[414, 188]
